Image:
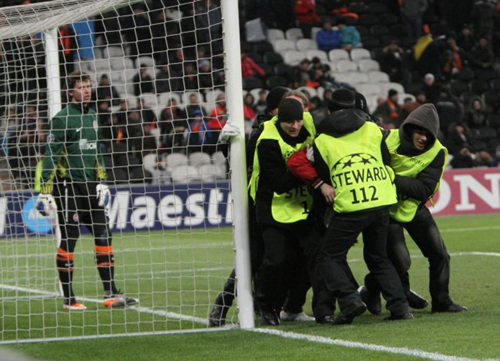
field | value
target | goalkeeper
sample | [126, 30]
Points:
[72, 183]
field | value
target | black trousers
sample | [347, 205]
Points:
[342, 232]
[283, 274]
[425, 233]
[76, 206]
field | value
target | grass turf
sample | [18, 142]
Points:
[183, 278]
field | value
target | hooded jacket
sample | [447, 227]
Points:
[424, 185]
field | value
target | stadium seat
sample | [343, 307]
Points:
[385, 87]
[314, 31]
[388, 19]
[272, 58]
[486, 74]
[185, 96]
[164, 98]
[377, 76]
[369, 89]
[218, 157]
[306, 44]
[343, 76]
[274, 34]
[282, 69]
[311, 91]
[293, 57]
[358, 78]
[366, 65]
[145, 60]
[379, 31]
[478, 86]
[368, 20]
[376, 8]
[252, 83]
[493, 121]
[138, 175]
[150, 99]
[294, 34]
[197, 159]
[322, 55]
[338, 54]
[346, 65]
[457, 87]
[207, 172]
[360, 53]
[184, 174]
[276, 80]
[281, 45]
[262, 47]
[211, 95]
[465, 74]
[173, 160]
[113, 52]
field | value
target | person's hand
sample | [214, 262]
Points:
[228, 132]
[103, 195]
[45, 204]
[310, 154]
[328, 192]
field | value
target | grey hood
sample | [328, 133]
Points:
[426, 117]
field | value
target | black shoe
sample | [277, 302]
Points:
[400, 316]
[347, 318]
[453, 308]
[218, 316]
[416, 301]
[372, 300]
[326, 320]
[269, 316]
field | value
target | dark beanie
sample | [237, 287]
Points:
[360, 101]
[290, 109]
[341, 99]
[274, 97]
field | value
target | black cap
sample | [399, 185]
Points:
[289, 110]
[274, 97]
[341, 99]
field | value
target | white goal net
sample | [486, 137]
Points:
[159, 76]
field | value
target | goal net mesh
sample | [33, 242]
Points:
[157, 73]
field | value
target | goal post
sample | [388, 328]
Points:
[166, 76]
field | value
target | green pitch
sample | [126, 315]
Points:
[178, 281]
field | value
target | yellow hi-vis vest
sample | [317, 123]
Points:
[357, 171]
[294, 205]
[410, 166]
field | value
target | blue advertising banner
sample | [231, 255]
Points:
[133, 208]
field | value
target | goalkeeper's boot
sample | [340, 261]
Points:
[118, 299]
[73, 304]
[219, 312]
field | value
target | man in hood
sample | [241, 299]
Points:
[419, 161]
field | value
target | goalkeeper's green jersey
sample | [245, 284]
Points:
[73, 147]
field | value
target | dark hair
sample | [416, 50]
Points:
[76, 76]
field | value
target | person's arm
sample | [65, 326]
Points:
[424, 186]
[273, 167]
[55, 145]
[301, 167]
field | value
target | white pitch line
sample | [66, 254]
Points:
[366, 346]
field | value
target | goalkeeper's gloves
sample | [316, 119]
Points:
[228, 132]
[103, 195]
[45, 204]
